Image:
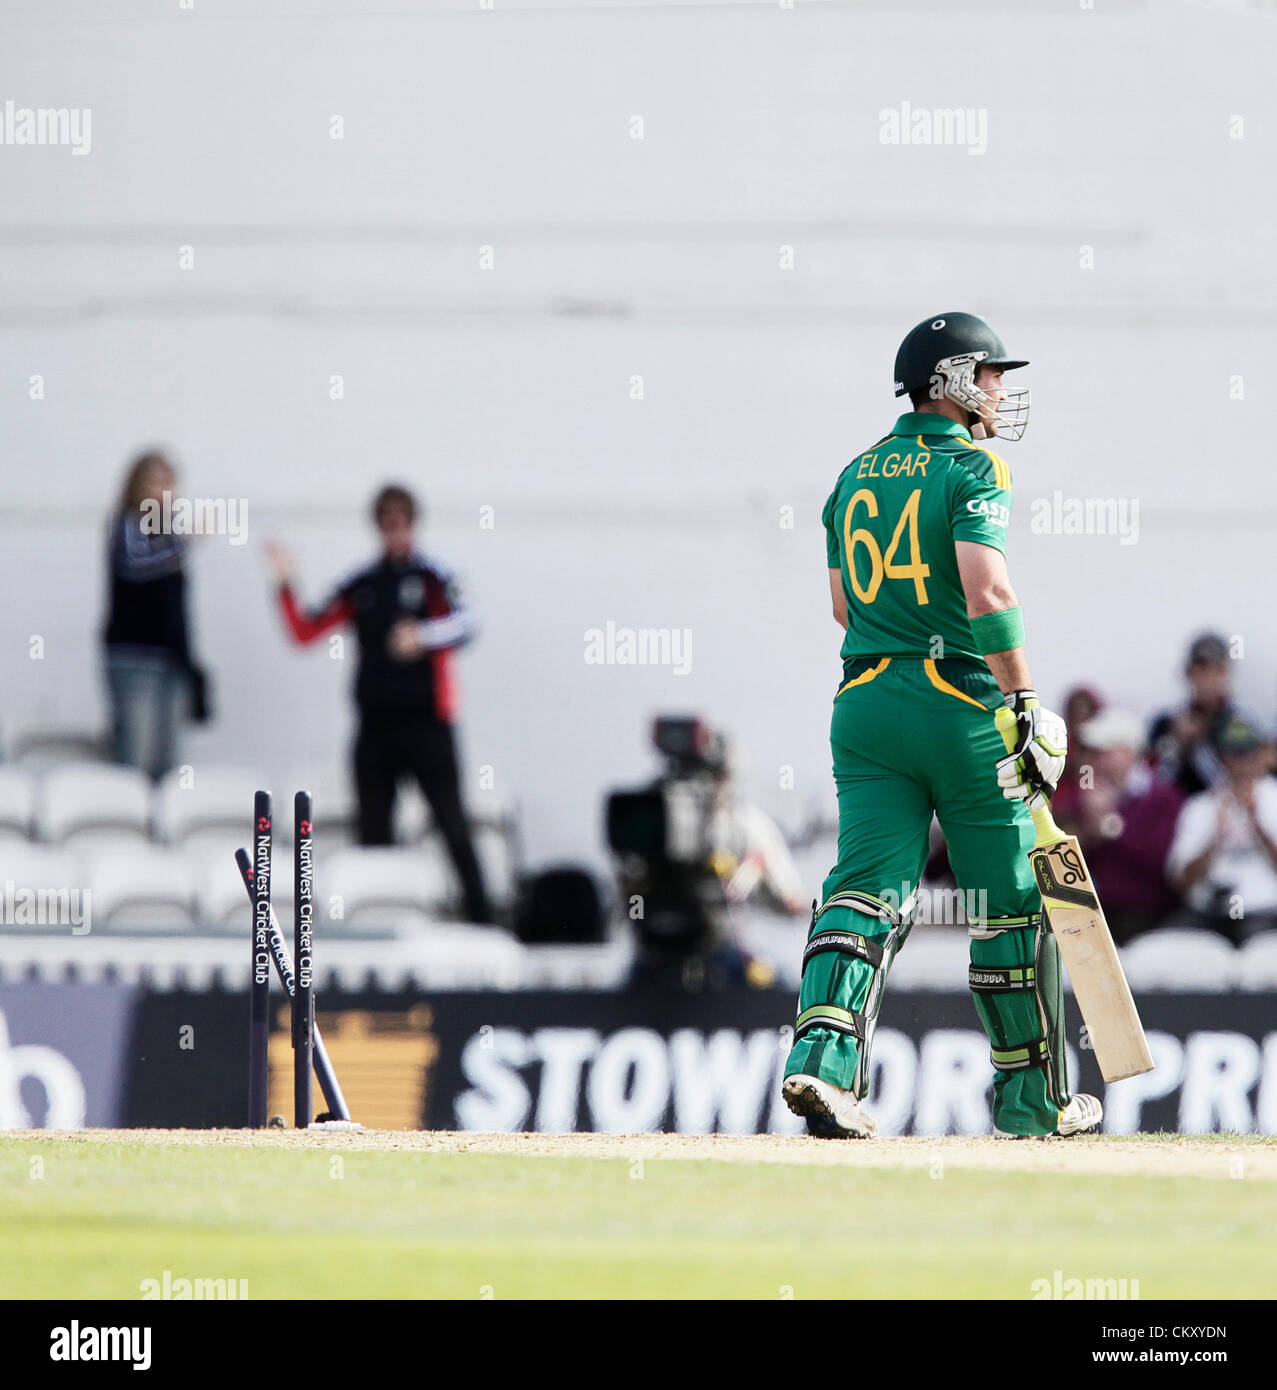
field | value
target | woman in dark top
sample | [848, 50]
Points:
[149, 673]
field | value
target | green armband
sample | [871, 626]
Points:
[998, 632]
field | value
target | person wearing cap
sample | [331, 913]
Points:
[1182, 742]
[1125, 819]
[1224, 855]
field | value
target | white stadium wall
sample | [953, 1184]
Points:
[614, 258]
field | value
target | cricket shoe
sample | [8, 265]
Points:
[1079, 1115]
[830, 1112]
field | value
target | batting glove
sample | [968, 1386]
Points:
[1032, 771]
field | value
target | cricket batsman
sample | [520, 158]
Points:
[916, 533]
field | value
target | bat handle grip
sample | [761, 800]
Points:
[1005, 722]
[1047, 830]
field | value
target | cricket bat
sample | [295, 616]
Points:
[1076, 919]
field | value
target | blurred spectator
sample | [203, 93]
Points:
[409, 618]
[1125, 822]
[1182, 742]
[1081, 705]
[151, 679]
[1224, 855]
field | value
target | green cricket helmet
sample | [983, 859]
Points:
[941, 356]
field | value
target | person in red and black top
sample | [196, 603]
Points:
[408, 617]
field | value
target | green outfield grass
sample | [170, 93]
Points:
[382, 1224]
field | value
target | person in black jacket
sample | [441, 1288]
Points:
[150, 677]
[409, 618]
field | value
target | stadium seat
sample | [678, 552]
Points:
[375, 888]
[215, 812]
[1257, 963]
[17, 803]
[492, 849]
[492, 808]
[221, 902]
[443, 877]
[453, 949]
[491, 836]
[1181, 958]
[412, 817]
[49, 747]
[94, 806]
[495, 853]
[483, 808]
[39, 869]
[144, 888]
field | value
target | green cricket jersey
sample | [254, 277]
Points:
[890, 525]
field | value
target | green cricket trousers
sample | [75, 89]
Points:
[912, 738]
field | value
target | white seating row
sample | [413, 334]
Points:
[141, 886]
[98, 809]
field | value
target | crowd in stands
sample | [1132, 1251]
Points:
[1178, 819]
